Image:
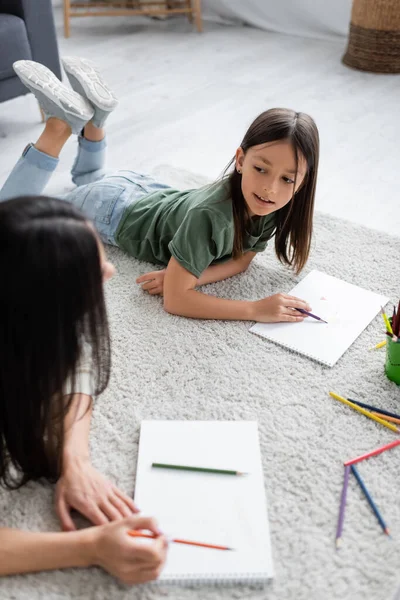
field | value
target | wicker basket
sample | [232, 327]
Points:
[374, 40]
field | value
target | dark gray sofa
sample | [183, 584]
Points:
[26, 32]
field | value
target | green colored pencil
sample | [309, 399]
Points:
[198, 469]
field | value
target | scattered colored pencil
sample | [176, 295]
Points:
[305, 312]
[364, 412]
[199, 469]
[387, 323]
[342, 507]
[369, 499]
[358, 459]
[134, 533]
[380, 345]
[374, 408]
[390, 419]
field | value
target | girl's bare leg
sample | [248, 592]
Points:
[56, 132]
[92, 133]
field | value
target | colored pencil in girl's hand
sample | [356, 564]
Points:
[305, 312]
[134, 533]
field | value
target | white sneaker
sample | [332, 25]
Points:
[55, 99]
[87, 81]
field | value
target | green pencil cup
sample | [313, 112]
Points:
[392, 364]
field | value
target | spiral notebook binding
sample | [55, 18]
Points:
[217, 579]
[293, 348]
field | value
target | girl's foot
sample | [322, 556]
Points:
[55, 99]
[87, 81]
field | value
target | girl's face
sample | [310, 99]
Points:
[268, 173]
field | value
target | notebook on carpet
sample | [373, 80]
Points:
[347, 308]
[211, 508]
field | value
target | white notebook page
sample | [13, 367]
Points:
[212, 508]
[347, 308]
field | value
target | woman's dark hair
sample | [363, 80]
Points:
[51, 307]
[293, 221]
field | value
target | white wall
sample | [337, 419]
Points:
[306, 18]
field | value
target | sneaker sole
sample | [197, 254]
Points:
[91, 82]
[37, 77]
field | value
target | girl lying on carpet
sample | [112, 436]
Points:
[201, 236]
[55, 356]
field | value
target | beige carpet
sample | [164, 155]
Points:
[172, 368]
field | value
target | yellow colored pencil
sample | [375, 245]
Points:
[380, 345]
[364, 412]
[385, 417]
[387, 322]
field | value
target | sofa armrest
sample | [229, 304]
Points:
[39, 23]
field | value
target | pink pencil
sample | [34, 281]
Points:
[353, 461]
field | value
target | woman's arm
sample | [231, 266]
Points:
[81, 487]
[181, 298]
[77, 427]
[108, 546]
[25, 551]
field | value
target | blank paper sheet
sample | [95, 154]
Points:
[218, 509]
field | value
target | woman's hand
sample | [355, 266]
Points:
[153, 282]
[278, 308]
[131, 560]
[83, 488]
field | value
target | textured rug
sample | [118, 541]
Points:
[167, 367]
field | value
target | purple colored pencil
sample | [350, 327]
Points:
[342, 507]
[305, 312]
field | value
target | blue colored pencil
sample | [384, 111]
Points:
[374, 408]
[370, 501]
[342, 507]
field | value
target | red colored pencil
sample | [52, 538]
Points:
[353, 461]
[134, 533]
[398, 320]
[394, 320]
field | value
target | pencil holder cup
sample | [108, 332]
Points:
[392, 364]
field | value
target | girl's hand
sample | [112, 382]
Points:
[131, 560]
[278, 308]
[83, 488]
[153, 282]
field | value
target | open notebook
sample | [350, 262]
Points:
[347, 308]
[212, 508]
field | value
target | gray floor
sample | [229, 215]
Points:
[186, 100]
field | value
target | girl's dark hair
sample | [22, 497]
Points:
[293, 221]
[51, 308]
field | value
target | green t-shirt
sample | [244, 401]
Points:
[195, 227]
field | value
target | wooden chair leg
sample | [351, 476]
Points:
[189, 15]
[67, 11]
[42, 114]
[196, 6]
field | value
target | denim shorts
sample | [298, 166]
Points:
[105, 201]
